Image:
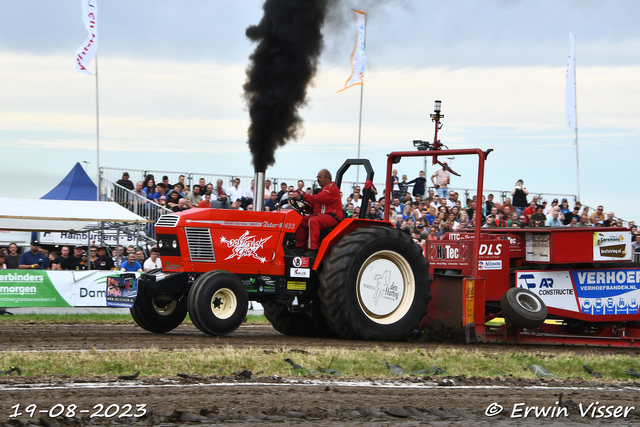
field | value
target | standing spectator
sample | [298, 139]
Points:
[103, 261]
[248, 194]
[154, 261]
[519, 194]
[149, 189]
[283, 191]
[140, 256]
[202, 183]
[419, 185]
[404, 186]
[489, 204]
[56, 264]
[194, 198]
[267, 189]
[131, 265]
[3, 266]
[441, 179]
[72, 261]
[93, 257]
[395, 182]
[12, 259]
[235, 193]
[121, 196]
[33, 259]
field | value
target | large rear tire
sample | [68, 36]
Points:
[523, 308]
[309, 323]
[160, 313]
[375, 285]
[218, 303]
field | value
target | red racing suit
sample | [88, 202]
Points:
[327, 213]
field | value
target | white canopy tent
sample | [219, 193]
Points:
[61, 215]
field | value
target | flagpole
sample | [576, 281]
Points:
[364, 42]
[575, 104]
[97, 131]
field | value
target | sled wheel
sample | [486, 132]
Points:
[160, 313]
[375, 285]
[218, 303]
[309, 323]
[523, 308]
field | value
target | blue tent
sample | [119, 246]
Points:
[75, 186]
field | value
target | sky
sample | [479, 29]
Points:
[170, 92]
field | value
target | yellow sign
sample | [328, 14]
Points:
[296, 286]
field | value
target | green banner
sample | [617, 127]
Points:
[27, 288]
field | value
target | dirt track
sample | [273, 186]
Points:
[210, 400]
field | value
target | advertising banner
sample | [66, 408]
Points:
[595, 292]
[612, 246]
[43, 288]
[108, 238]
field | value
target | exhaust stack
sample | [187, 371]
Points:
[258, 191]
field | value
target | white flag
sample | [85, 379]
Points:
[570, 90]
[87, 51]
[358, 57]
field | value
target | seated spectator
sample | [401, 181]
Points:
[206, 203]
[174, 198]
[598, 212]
[178, 188]
[554, 220]
[181, 206]
[283, 191]
[489, 222]
[248, 195]
[570, 215]
[432, 233]
[154, 261]
[507, 202]
[33, 259]
[584, 221]
[610, 218]
[522, 222]
[373, 214]
[131, 265]
[194, 198]
[161, 190]
[272, 203]
[538, 219]
[3, 266]
[149, 189]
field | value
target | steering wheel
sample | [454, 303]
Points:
[296, 207]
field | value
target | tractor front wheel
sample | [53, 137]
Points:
[375, 285]
[218, 303]
[160, 313]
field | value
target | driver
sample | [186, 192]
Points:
[327, 213]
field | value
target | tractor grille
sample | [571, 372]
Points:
[169, 220]
[200, 244]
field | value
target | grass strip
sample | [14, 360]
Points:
[367, 363]
[111, 319]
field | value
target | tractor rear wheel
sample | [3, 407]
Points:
[309, 323]
[523, 308]
[375, 285]
[218, 303]
[160, 313]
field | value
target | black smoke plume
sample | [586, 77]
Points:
[289, 44]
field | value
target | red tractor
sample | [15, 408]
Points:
[369, 281]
